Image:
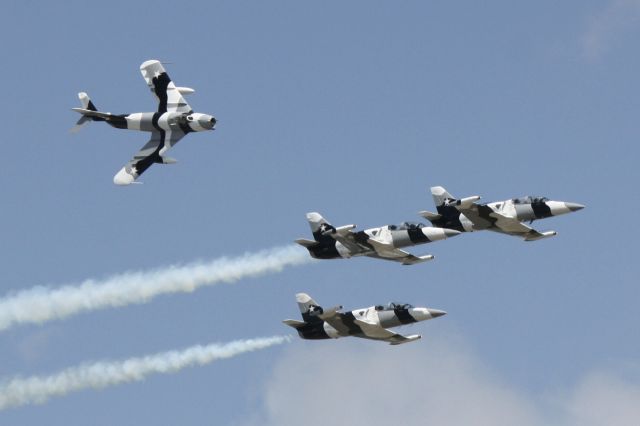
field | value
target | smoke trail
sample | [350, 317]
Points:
[38, 389]
[40, 304]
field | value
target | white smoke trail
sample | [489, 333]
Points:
[41, 304]
[38, 389]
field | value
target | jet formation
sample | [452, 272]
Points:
[507, 217]
[366, 323]
[381, 243]
[173, 119]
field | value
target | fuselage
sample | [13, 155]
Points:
[167, 121]
[399, 236]
[523, 209]
[389, 316]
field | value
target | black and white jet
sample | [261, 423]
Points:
[173, 119]
[381, 243]
[466, 215]
[366, 323]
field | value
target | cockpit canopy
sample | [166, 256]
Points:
[530, 199]
[392, 306]
[406, 226]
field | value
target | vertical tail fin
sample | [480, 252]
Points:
[86, 103]
[309, 308]
[318, 225]
[440, 195]
[85, 100]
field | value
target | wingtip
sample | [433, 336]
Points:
[149, 62]
[123, 178]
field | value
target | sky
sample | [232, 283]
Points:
[353, 109]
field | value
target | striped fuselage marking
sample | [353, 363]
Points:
[315, 328]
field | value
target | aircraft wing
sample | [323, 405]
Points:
[360, 243]
[169, 97]
[151, 152]
[351, 242]
[347, 325]
[486, 218]
[376, 332]
[388, 252]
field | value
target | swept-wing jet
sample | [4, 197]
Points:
[382, 243]
[173, 119]
[366, 323]
[466, 215]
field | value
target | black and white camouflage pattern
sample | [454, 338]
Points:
[173, 119]
[383, 242]
[367, 323]
[465, 215]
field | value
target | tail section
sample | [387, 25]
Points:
[309, 308]
[307, 304]
[311, 311]
[447, 215]
[312, 325]
[443, 199]
[319, 226]
[85, 100]
[440, 196]
[89, 112]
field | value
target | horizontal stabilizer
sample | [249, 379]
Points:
[295, 324]
[430, 216]
[418, 259]
[90, 113]
[87, 105]
[83, 120]
[306, 243]
[406, 339]
[540, 235]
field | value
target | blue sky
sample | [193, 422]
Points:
[354, 110]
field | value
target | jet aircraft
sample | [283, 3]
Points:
[466, 215]
[366, 323]
[381, 243]
[173, 119]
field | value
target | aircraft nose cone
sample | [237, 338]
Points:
[574, 207]
[435, 313]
